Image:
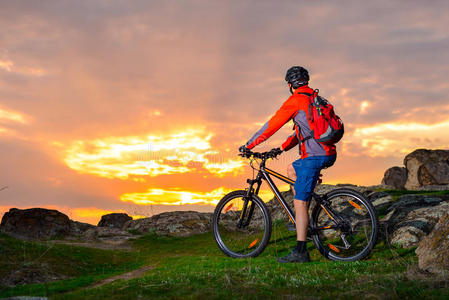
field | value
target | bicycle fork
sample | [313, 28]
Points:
[249, 195]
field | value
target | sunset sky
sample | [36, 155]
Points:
[140, 106]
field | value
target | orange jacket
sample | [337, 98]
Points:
[296, 108]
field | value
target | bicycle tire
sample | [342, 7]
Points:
[241, 242]
[344, 201]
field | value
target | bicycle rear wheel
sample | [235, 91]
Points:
[242, 227]
[355, 236]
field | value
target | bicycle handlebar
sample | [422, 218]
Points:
[273, 153]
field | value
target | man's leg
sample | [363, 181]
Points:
[292, 175]
[306, 175]
[301, 210]
[302, 220]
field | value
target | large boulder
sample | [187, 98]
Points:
[395, 177]
[35, 223]
[115, 220]
[176, 223]
[433, 250]
[40, 223]
[427, 167]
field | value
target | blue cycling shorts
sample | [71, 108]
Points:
[307, 173]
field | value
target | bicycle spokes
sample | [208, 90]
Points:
[344, 226]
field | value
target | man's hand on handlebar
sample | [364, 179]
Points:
[245, 152]
[274, 152]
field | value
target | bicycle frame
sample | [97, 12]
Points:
[264, 173]
[342, 224]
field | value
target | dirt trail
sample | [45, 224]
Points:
[126, 276]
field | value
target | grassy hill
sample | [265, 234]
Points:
[194, 268]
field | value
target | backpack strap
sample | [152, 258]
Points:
[310, 113]
[310, 106]
[306, 138]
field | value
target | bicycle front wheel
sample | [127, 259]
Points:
[242, 227]
[346, 227]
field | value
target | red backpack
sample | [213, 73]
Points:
[327, 128]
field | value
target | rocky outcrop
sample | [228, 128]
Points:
[427, 167]
[433, 251]
[40, 223]
[411, 218]
[78, 228]
[380, 199]
[177, 223]
[424, 169]
[395, 177]
[405, 221]
[115, 220]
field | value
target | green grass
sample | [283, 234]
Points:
[192, 268]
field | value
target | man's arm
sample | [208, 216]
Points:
[282, 116]
[291, 142]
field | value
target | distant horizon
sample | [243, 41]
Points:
[137, 212]
[137, 107]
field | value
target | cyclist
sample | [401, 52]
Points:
[314, 155]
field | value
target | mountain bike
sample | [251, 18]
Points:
[343, 223]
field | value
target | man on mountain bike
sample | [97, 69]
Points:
[314, 155]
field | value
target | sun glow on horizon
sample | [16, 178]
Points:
[91, 215]
[156, 196]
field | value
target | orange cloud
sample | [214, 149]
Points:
[123, 157]
[399, 138]
[7, 115]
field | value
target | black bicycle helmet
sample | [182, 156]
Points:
[297, 76]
